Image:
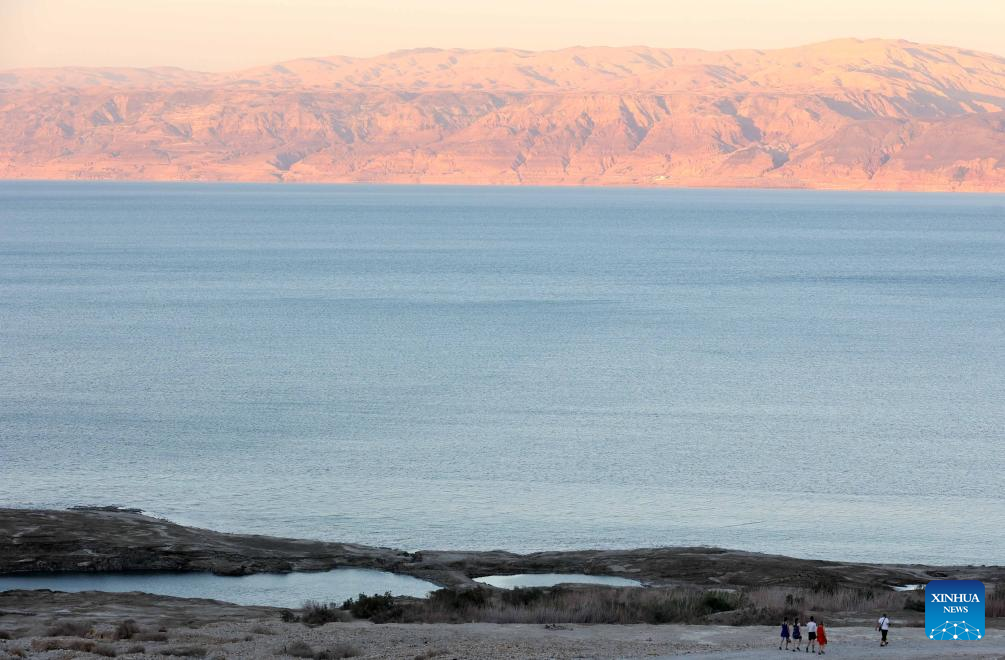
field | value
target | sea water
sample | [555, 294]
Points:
[818, 374]
[273, 589]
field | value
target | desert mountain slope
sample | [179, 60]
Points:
[840, 114]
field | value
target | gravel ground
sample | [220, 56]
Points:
[46, 624]
[269, 639]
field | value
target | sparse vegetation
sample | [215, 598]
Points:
[718, 601]
[434, 653]
[337, 652]
[136, 648]
[106, 650]
[126, 629]
[379, 608]
[63, 644]
[523, 596]
[317, 614]
[773, 603]
[150, 636]
[263, 630]
[760, 606]
[185, 651]
[303, 650]
[297, 650]
[566, 605]
[995, 607]
[70, 629]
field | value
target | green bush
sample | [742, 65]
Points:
[461, 599]
[717, 601]
[379, 608]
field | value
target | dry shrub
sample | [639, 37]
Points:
[779, 602]
[337, 652]
[57, 644]
[70, 629]
[304, 650]
[379, 607]
[763, 606]
[126, 629]
[297, 650]
[314, 613]
[573, 605]
[106, 650]
[150, 636]
[263, 630]
[994, 608]
[136, 648]
[430, 654]
[185, 651]
[4, 634]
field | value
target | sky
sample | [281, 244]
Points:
[217, 35]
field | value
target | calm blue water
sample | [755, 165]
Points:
[286, 590]
[809, 373]
[548, 580]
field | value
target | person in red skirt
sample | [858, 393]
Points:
[821, 637]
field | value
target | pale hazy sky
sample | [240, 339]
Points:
[227, 34]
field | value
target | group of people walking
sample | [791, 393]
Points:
[816, 636]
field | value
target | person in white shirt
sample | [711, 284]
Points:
[811, 635]
[883, 626]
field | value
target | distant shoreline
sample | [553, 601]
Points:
[111, 539]
[689, 184]
[876, 114]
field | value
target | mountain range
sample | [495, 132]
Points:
[848, 114]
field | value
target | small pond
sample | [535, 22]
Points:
[275, 589]
[551, 579]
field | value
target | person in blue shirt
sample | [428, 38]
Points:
[797, 635]
[786, 636]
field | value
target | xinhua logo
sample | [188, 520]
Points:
[954, 609]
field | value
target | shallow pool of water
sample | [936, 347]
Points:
[278, 590]
[551, 579]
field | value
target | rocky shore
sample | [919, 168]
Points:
[43, 624]
[110, 539]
